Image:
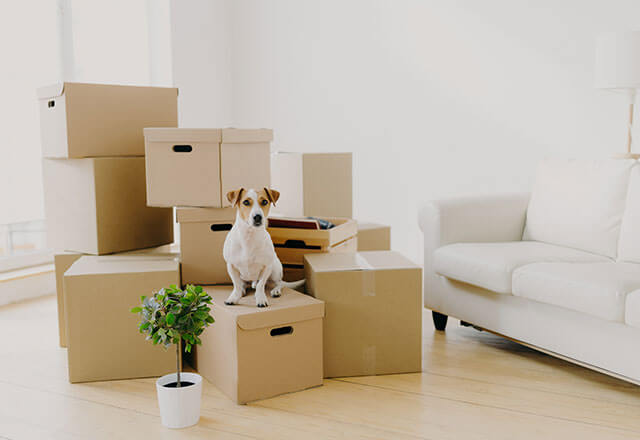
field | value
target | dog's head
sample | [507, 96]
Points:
[253, 205]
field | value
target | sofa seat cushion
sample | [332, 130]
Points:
[491, 265]
[579, 203]
[597, 289]
[632, 309]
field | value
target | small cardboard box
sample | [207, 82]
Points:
[253, 353]
[373, 322]
[98, 206]
[62, 262]
[202, 235]
[292, 244]
[313, 184]
[374, 237]
[102, 335]
[207, 163]
[97, 120]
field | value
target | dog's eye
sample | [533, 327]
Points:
[247, 203]
[264, 202]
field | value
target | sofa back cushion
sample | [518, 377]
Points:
[579, 203]
[629, 245]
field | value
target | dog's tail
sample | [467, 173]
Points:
[292, 284]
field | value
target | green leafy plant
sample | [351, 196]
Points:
[171, 316]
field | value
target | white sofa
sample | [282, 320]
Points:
[558, 270]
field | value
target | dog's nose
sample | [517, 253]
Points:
[257, 219]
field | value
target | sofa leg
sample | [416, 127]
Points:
[439, 320]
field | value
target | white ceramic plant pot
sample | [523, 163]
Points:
[179, 407]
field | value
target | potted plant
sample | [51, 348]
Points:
[172, 316]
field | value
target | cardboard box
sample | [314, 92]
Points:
[202, 235]
[64, 260]
[313, 184]
[102, 334]
[207, 163]
[293, 272]
[291, 244]
[98, 206]
[97, 120]
[373, 322]
[253, 353]
[374, 237]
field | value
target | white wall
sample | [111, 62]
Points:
[435, 98]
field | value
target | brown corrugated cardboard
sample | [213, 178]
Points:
[253, 353]
[202, 235]
[102, 336]
[291, 244]
[207, 164]
[373, 322]
[62, 262]
[96, 120]
[374, 237]
[313, 184]
[98, 206]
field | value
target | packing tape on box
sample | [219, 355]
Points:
[369, 360]
[368, 276]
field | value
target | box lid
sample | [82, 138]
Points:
[205, 215]
[246, 135]
[173, 134]
[291, 307]
[368, 260]
[117, 264]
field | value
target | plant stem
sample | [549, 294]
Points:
[178, 361]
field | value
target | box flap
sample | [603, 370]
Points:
[205, 215]
[243, 135]
[51, 91]
[291, 307]
[115, 264]
[369, 260]
[172, 134]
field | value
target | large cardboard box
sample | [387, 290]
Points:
[207, 164]
[373, 322]
[62, 262]
[98, 206]
[102, 335]
[253, 353]
[374, 237]
[313, 184]
[292, 244]
[96, 120]
[202, 235]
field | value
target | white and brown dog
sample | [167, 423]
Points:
[248, 249]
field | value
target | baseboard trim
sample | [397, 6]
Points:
[23, 284]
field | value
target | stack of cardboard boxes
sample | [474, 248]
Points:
[361, 311]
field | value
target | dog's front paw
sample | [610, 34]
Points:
[261, 300]
[233, 298]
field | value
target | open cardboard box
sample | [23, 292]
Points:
[98, 120]
[207, 163]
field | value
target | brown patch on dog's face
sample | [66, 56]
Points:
[254, 206]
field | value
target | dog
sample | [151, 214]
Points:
[248, 250]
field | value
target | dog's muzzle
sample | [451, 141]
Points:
[257, 220]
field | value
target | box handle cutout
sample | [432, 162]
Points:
[51, 104]
[287, 330]
[223, 227]
[182, 148]
[296, 244]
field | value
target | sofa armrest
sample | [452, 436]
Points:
[481, 219]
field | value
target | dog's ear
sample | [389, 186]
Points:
[272, 195]
[234, 196]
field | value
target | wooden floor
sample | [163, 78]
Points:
[473, 386]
